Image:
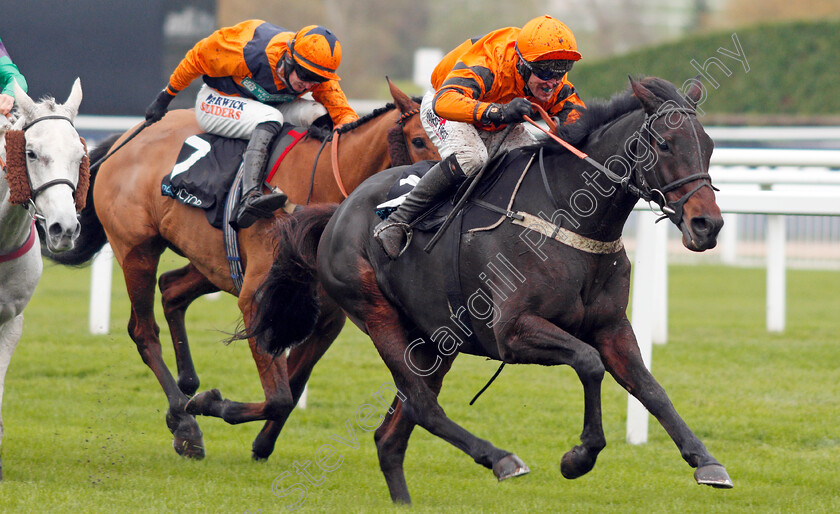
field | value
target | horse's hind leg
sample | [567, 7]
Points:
[303, 357]
[10, 333]
[139, 267]
[420, 405]
[178, 289]
[300, 362]
[530, 339]
[621, 356]
[392, 440]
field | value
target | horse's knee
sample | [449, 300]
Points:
[588, 364]
[278, 406]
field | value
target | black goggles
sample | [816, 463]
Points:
[308, 76]
[548, 70]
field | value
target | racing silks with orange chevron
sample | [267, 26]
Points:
[241, 61]
[481, 71]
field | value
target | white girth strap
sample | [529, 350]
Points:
[567, 237]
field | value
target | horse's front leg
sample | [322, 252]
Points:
[274, 377]
[622, 358]
[139, 269]
[178, 289]
[10, 333]
[530, 339]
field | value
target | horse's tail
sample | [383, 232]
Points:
[92, 237]
[285, 306]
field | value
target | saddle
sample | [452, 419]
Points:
[495, 190]
[207, 166]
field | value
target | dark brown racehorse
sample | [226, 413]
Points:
[140, 224]
[546, 283]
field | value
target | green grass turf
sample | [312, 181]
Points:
[85, 431]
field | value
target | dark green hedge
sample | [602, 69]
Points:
[794, 69]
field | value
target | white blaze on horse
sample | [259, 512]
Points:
[44, 180]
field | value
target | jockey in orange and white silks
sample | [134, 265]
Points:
[475, 84]
[254, 74]
[479, 88]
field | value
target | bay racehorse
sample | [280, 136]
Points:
[534, 273]
[45, 180]
[140, 224]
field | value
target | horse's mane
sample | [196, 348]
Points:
[599, 113]
[45, 102]
[321, 133]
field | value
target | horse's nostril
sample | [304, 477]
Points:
[699, 226]
[55, 230]
[704, 226]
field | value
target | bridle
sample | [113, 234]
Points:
[334, 137]
[635, 182]
[672, 210]
[50, 183]
[401, 122]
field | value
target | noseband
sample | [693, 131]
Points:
[50, 183]
[656, 193]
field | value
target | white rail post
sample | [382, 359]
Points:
[101, 272]
[643, 306]
[659, 323]
[776, 260]
[729, 239]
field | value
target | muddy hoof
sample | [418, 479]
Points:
[714, 475]
[203, 403]
[577, 462]
[510, 466]
[188, 448]
[188, 440]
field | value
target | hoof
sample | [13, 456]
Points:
[510, 466]
[261, 451]
[202, 403]
[188, 440]
[188, 448]
[714, 475]
[577, 462]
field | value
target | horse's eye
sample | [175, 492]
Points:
[663, 145]
[418, 142]
[31, 155]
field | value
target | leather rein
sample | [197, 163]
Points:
[649, 192]
[334, 137]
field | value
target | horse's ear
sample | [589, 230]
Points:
[401, 100]
[24, 103]
[75, 98]
[649, 101]
[5, 125]
[694, 92]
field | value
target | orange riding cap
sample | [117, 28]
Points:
[483, 71]
[233, 60]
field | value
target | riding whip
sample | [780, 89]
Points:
[95, 165]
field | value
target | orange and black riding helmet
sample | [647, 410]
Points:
[545, 38]
[317, 49]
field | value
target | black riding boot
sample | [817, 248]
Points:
[392, 233]
[253, 204]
